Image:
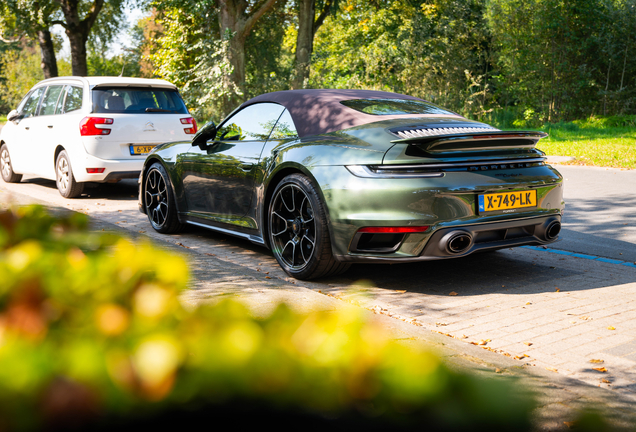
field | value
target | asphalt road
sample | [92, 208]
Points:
[547, 309]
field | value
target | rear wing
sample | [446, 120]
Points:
[495, 140]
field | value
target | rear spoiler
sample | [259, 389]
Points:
[496, 140]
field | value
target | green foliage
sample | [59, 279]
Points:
[435, 50]
[19, 71]
[95, 321]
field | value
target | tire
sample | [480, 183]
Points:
[159, 201]
[298, 231]
[6, 168]
[64, 178]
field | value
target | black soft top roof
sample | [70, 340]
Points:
[319, 111]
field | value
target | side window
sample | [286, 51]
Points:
[49, 102]
[253, 123]
[284, 128]
[31, 105]
[73, 100]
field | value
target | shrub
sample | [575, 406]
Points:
[92, 334]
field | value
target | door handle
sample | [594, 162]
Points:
[50, 126]
[246, 167]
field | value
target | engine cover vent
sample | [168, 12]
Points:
[429, 132]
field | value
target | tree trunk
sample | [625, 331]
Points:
[235, 24]
[78, 30]
[78, 53]
[308, 25]
[49, 63]
[304, 42]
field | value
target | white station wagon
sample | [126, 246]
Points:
[97, 129]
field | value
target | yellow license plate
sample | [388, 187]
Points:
[507, 201]
[140, 149]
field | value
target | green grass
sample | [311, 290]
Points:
[605, 142]
[607, 147]
[3, 119]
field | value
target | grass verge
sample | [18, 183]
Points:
[607, 147]
[3, 119]
[606, 141]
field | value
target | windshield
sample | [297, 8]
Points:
[137, 100]
[394, 106]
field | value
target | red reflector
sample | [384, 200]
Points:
[95, 170]
[88, 126]
[393, 230]
[189, 121]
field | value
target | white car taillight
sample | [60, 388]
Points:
[88, 126]
[189, 121]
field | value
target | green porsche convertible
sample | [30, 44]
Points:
[327, 178]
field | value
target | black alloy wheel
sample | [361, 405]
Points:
[64, 178]
[298, 232]
[159, 202]
[6, 168]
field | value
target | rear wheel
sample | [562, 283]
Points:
[298, 231]
[159, 202]
[6, 168]
[64, 178]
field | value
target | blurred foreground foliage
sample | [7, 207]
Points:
[92, 334]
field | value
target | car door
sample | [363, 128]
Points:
[22, 156]
[45, 131]
[218, 179]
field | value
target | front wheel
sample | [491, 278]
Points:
[65, 180]
[298, 231]
[6, 168]
[159, 202]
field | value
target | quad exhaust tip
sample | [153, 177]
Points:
[553, 229]
[456, 242]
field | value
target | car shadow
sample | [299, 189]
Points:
[124, 190]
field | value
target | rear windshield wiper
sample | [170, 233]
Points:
[158, 110]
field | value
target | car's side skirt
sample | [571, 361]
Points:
[251, 237]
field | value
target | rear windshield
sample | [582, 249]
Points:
[137, 100]
[393, 106]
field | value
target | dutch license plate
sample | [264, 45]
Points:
[507, 201]
[141, 149]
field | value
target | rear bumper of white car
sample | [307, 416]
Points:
[112, 169]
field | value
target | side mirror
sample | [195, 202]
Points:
[12, 115]
[206, 133]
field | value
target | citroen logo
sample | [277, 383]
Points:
[150, 126]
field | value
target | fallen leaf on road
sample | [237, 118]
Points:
[605, 381]
[484, 341]
[210, 254]
[267, 277]
[441, 324]
[600, 369]
[584, 317]
[558, 290]
[268, 273]
[400, 291]
[611, 328]
[528, 303]
[552, 369]
[182, 245]
[464, 337]
[141, 232]
[452, 293]
[521, 357]
[497, 370]
[528, 343]
[597, 361]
